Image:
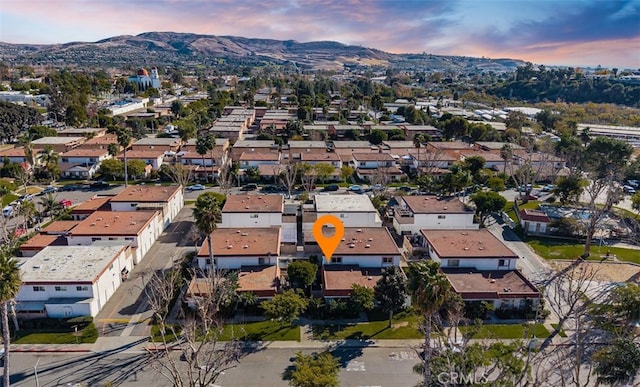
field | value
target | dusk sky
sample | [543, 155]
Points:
[557, 32]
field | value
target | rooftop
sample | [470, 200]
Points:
[373, 157]
[343, 203]
[253, 203]
[254, 144]
[93, 204]
[147, 193]
[366, 241]
[269, 156]
[60, 227]
[491, 284]
[351, 144]
[307, 144]
[143, 154]
[258, 278]
[325, 156]
[429, 204]
[534, 215]
[130, 223]
[448, 145]
[69, 264]
[467, 244]
[40, 241]
[56, 140]
[85, 152]
[338, 279]
[243, 242]
[158, 141]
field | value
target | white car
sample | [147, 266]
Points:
[7, 211]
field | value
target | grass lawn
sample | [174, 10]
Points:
[8, 199]
[88, 335]
[260, 331]
[562, 249]
[562, 333]
[405, 326]
[502, 331]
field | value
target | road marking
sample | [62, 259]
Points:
[403, 355]
[114, 320]
[357, 366]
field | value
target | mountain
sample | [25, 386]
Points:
[184, 49]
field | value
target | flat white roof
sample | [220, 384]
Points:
[70, 264]
[343, 203]
[55, 140]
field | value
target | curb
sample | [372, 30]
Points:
[46, 350]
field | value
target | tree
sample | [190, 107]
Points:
[418, 140]
[112, 168]
[315, 370]
[474, 164]
[487, 203]
[178, 173]
[49, 159]
[302, 273]
[377, 136]
[390, 291]
[516, 120]
[455, 127]
[496, 183]
[9, 285]
[323, 171]
[50, 205]
[506, 154]
[289, 174]
[124, 140]
[428, 287]
[136, 168]
[569, 188]
[178, 109]
[618, 362]
[203, 145]
[635, 201]
[346, 172]
[113, 149]
[207, 214]
[361, 298]
[206, 357]
[308, 176]
[285, 307]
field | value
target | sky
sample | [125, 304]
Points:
[550, 32]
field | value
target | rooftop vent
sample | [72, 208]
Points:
[445, 207]
[367, 246]
[359, 230]
[54, 269]
[352, 245]
[36, 267]
[99, 219]
[480, 248]
[466, 248]
[106, 225]
[92, 224]
[229, 246]
[133, 223]
[246, 207]
[245, 234]
[492, 280]
[245, 246]
[465, 233]
[370, 239]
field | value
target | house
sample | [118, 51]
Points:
[152, 157]
[166, 144]
[71, 281]
[167, 199]
[78, 170]
[505, 289]
[218, 156]
[414, 213]
[377, 167]
[352, 210]
[38, 242]
[251, 146]
[346, 149]
[534, 221]
[234, 248]
[140, 229]
[477, 249]
[255, 159]
[59, 227]
[86, 208]
[83, 132]
[59, 144]
[15, 155]
[101, 142]
[294, 149]
[411, 130]
[365, 247]
[337, 281]
[259, 211]
[84, 156]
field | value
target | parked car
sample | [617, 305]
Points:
[378, 187]
[331, 188]
[48, 190]
[404, 188]
[272, 188]
[99, 185]
[65, 203]
[71, 187]
[25, 197]
[629, 190]
[7, 211]
[354, 188]
[548, 188]
[249, 187]
[196, 187]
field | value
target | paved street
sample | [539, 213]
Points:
[358, 367]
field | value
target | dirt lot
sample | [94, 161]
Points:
[608, 271]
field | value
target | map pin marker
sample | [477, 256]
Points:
[328, 245]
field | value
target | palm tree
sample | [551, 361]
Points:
[49, 159]
[202, 147]
[418, 140]
[207, 213]
[9, 285]
[428, 287]
[49, 205]
[506, 153]
[28, 210]
[124, 139]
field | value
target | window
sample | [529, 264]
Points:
[344, 215]
[128, 238]
[208, 261]
[503, 262]
[133, 204]
[387, 260]
[453, 263]
[111, 267]
[442, 216]
[113, 239]
[254, 216]
[93, 239]
[262, 261]
[82, 288]
[61, 288]
[336, 260]
[38, 288]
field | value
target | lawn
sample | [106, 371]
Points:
[8, 198]
[508, 208]
[405, 326]
[504, 331]
[562, 333]
[88, 335]
[260, 331]
[562, 249]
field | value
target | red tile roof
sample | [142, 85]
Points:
[474, 284]
[253, 203]
[467, 244]
[233, 242]
[338, 279]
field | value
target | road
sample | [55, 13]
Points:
[358, 367]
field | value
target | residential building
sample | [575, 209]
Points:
[414, 213]
[337, 281]
[86, 208]
[86, 157]
[15, 155]
[83, 132]
[250, 146]
[58, 144]
[256, 159]
[71, 281]
[167, 199]
[352, 210]
[139, 228]
[234, 248]
[157, 143]
[151, 157]
[258, 211]
[533, 221]
[365, 247]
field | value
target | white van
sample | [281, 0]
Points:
[7, 211]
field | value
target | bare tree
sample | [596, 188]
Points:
[289, 174]
[308, 176]
[198, 331]
[225, 179]
[596, 211]
[179, 174]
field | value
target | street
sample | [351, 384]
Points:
[358, 367]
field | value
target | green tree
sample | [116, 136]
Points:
[50, 205]
[113, 149]
[302, 273]
[474, 164]
[496, 183]
[362, 298]
[285, 307]
[418, 140]
[136, 168]
[207, 213]
[9, 285]
[112, 168]
[618, 362]
[487, 203]
[346, 172]
[315, 370]
[124, 140]
[323, 171]
[428, 288]
[377, 136]
[635, 201]
[569, 188]
[391, 291]
[455, 127]
[49, 159]
[506, 154]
